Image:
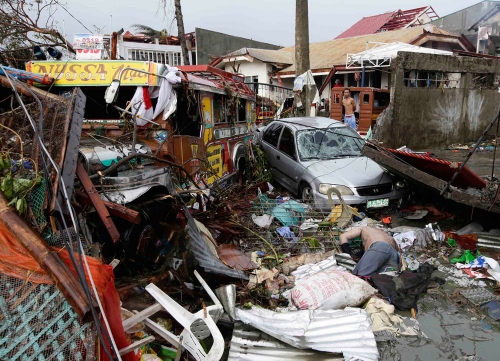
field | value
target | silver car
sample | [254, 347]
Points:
[308, 156]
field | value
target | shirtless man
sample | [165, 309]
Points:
[381, 251]
[349, 106]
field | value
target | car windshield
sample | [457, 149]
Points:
[328, 143]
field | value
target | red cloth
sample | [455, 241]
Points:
[466, 241]
[147, 99]
[16, 262]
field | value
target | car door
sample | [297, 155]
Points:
[286, 160]
[270, 147]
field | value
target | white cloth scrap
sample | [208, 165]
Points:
[263, 221]
[405, 240]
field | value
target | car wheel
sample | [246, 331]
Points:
[306, 193]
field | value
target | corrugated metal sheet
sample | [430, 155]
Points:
[347, 331]
[367, 25]
[333, 52]
[206, 259]
[250, 344]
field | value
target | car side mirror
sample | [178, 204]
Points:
[112, 92]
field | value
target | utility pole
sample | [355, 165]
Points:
[302, 62]
[180, 31]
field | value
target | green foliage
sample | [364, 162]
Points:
[259, 169]
[16, 185]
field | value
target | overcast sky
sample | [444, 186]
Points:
[270, 21]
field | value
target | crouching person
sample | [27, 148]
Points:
[380, 251]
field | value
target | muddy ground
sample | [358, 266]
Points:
[454, 328]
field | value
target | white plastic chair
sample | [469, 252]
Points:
[197, 326]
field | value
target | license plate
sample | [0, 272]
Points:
[377, 203]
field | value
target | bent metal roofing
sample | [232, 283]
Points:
[367, 25]
[325, 54]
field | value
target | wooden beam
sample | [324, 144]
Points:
[97, 202]
[113, 208]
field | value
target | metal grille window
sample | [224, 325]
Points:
[426, 79]
[163, 57]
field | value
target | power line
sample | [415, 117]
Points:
[57, 2]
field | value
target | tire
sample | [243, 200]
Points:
[242, 176]
[306, 193]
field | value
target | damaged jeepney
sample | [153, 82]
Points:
[201, 119]
[149, 132]
[201, 122]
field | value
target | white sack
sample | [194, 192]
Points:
[331, 289]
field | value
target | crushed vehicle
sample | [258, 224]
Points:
[308, 156]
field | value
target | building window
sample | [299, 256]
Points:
[252, 79]
[426, 79]
[162, 57]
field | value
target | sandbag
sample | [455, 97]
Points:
[331, 289]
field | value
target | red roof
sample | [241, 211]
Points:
[402, 18]
[392, 20]
[367, 25]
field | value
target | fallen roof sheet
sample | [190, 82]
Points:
[347, 331]
[398, 166]
[250, 344]
[442, 169]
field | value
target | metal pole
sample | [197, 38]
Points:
[495, 152]
[495, 119]
[363, 77]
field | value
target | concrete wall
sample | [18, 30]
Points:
[424, 117]
[458, 22]
[254, 68]
[211, 44]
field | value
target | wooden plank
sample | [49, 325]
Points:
[97, 202]
[113, 208]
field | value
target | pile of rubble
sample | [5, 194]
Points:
[95, 265]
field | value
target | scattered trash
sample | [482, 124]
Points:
[493, 309]
[419, 214]
[383, 319]
[263, 221]
[403, 291]
[307, 270]
[473, 227]
[478, 296]
[227, 296]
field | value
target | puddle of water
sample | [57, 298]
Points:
[451, 334]
[480, 162]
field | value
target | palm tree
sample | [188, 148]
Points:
[149, 31]
[180, 30]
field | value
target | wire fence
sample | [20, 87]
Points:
[37, 323]
[296, 227]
